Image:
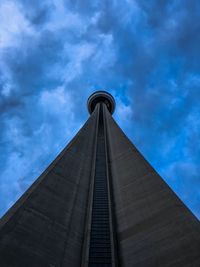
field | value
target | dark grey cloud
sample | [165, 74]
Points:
[37, 12]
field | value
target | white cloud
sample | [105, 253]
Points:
[56, 101]
[105, 54]
[64, 19]
[6, 90]
[58, 105]
[123, 113]
[77, 54]
[13, 24]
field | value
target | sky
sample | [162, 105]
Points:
[55, 53]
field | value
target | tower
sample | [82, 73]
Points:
[99, 203]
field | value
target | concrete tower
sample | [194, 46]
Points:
[99, 203]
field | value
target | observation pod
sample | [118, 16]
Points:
[101, 97]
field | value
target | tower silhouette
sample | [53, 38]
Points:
[99, 203]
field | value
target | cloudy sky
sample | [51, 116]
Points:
[55, 53]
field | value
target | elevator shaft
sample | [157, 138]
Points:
[100, 241]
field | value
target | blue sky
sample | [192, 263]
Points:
[54, 54]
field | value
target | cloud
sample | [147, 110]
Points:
[37, 13]
[54, 54]
[13, 24]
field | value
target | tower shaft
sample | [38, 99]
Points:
[99, 203]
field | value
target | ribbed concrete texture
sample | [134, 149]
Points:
[154, 228]
[100, 203]
[46, 226]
